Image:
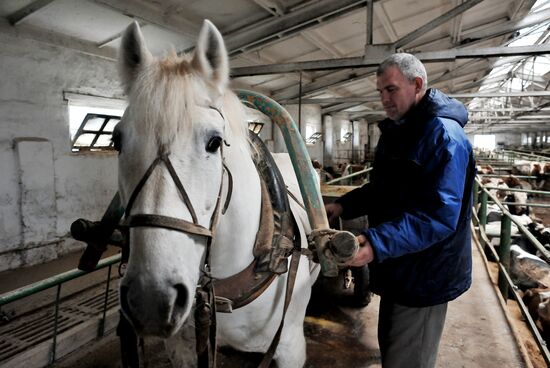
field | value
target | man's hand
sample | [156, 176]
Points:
[364, 255]
[333, 210]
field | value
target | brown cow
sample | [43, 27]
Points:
[538, 304]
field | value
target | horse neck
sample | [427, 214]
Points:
[232, 249]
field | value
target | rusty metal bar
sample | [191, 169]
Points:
[329, 257]
[55, 322]
[102, 326]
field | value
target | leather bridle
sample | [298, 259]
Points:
[168, 222]
[174, 223]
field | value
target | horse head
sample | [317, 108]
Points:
[171, 170]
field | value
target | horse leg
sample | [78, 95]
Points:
[291, 352]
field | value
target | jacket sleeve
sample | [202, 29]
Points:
[436, 216]
[355, 203]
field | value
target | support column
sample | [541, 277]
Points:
[310, 123]
[328, 139]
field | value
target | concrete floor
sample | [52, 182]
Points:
[476, 335]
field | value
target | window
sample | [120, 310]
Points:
[485, 141]
[312, 139]
[255, 126]
[94, 133]
[346, 137]
[92, 120]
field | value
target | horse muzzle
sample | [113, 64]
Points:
[155, 312]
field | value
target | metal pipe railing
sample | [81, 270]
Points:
[507, 176]
[57, 281]
[53, 281]
[529, 191]
[504, 253]
[505, 283]
[526, 204]
[368, 169]
[545, 253]
[523, 154]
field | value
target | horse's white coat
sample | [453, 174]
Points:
[169, 113]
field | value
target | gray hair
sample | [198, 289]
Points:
[409, 66]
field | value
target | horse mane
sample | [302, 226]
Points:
[165, 100]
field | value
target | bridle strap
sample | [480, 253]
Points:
[164, 158]
[229, 188]
[140, 185]
[180, 187]
[290, 281]
[171, 223]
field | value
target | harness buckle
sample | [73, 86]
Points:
[223, 305]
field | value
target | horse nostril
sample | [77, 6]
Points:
[181, 298]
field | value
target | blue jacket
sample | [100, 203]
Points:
[419, 204]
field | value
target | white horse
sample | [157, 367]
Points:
[181, 114]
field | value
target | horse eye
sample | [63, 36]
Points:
[213, 144]
[115, 138]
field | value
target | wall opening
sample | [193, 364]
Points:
[485, 141]
[92, 120]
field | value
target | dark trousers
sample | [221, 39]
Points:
[409, 337]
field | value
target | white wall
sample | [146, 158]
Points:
[374, 134]
[510, 139]
[328, 139]
[341, 150]
[43, 186]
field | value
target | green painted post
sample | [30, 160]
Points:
[483, 210]
[476, 193]
[504, 254]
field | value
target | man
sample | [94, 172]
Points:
[418, 202]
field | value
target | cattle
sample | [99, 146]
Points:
[492, 228]
[528, 168]
[543, 182]
[485, 169]
[540, 170]
[514, 182]
[494, 213]
[323, 174]
[538, 304]
[519, 200]
[544, 316]
[496, 182]
[527, 270]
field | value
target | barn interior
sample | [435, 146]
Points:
[61, 96]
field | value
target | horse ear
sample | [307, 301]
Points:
[133, 55]
[210, 57]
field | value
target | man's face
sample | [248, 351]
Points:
[398, 94]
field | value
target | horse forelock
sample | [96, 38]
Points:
[165, 96]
